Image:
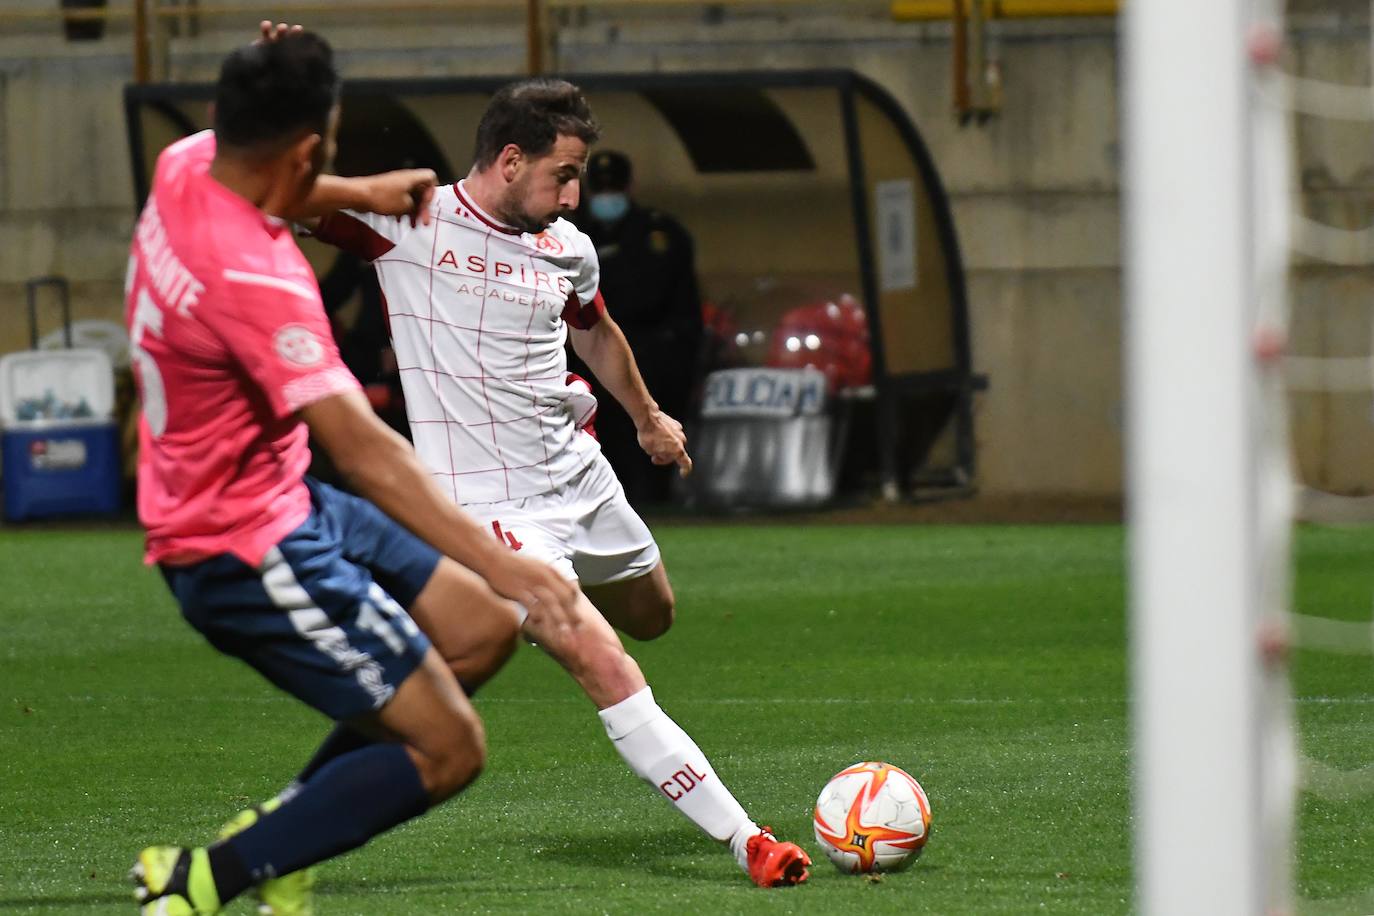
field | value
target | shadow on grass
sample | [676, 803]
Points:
[677, 853]
[328, 885]
[95, 898]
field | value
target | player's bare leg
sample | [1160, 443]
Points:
[431, 746]
[659, 751]
[641, 608]
[594, 656]
[474, 629]
[438, 727]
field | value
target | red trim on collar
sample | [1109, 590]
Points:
[477, 212]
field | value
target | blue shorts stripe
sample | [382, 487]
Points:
[317, 617]
[312, 624]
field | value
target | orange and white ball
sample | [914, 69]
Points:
[872, 817]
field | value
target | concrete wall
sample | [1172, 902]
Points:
[1036, 192]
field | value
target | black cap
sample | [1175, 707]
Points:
[608, 170]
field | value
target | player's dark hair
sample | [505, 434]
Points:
[271, 92]
[532, 114]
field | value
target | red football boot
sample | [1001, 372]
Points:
[773, 863]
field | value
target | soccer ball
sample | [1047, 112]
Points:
[872, 817]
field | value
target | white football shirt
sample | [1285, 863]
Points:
[479, 315]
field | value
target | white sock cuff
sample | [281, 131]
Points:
[629, 714]
[739, 842]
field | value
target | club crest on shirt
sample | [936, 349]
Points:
[548, 243]
[297, 345]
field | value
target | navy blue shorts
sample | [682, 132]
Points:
[323, 617]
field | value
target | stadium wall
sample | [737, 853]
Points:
[1035, 192]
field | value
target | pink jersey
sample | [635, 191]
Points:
[229, 339]
[479, 314]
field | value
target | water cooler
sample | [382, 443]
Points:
[58, 437]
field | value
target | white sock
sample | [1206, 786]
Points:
[666, 757]
[739, 843]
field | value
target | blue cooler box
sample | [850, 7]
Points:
[61, 470]
[58, 439]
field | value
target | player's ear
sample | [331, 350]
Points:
[509, 160]
[307, 155]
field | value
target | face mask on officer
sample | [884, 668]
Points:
[608, 206]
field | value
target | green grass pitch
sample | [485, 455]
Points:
[988, 661]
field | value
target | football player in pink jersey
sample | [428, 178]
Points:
[481, 301]
[319, 591]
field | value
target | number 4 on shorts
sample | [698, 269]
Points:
[507, 536]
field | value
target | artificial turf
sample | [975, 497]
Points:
[990, 662]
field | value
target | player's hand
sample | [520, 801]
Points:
[550, 600]
[664, 441]
[270, 31]
[404, 192]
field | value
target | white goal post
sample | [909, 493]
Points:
[1209, 525]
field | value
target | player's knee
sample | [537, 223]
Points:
[498, 643]
[459, 760]
[654, 617]
[598, 657]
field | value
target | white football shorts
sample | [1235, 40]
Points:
[586, 530]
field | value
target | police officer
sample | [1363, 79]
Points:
[649, 283]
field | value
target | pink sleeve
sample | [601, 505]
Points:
[278, 332]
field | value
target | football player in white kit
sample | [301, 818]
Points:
[480, 302]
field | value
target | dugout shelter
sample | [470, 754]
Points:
[799, 188]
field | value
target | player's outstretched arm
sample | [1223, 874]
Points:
[383, 467]
[606, 352]
[404, 192]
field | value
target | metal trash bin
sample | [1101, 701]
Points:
[58, 437]
[766, 440]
